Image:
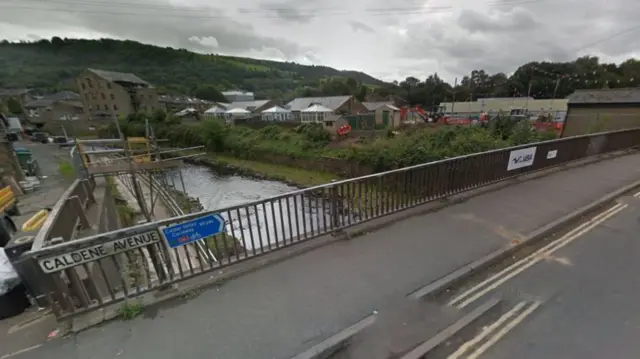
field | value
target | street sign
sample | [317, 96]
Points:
[196, 229]
[96, 252]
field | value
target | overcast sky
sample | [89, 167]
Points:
[387, 39]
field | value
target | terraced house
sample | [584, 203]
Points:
[51, 110]
[108, 94]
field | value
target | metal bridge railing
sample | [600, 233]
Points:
[258, 227]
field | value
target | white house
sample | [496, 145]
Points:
[276, 114]
[236, 113]
[189, 111]
[215, 112]
[315, 114]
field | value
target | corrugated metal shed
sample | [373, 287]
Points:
[505, 105]
[620, 96]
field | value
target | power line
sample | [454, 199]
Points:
[197, 13]
[605, 39]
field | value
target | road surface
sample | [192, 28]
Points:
[579, 298]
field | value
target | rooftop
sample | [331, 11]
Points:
[317, 108]
[276, 109]
[12, 92]
[113, 76]
[47, 100]
[372, 106]
[181, 99]
[236, 93]
[332, 102]
[620, 95]
[248, 104]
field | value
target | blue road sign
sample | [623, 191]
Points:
[186, 232]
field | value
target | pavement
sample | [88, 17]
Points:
[52, 187]
[290, 306]
[584, 296]
[33, 327]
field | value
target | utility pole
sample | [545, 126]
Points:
[453, 103]
[526, 105]
[555, 90]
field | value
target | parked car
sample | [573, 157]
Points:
[41, 137]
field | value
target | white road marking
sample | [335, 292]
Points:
[504, 331]
[486, 332]
[637, 195]
[530, 260]
[20, 351]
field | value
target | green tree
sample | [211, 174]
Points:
[13, 106]
[209, 93]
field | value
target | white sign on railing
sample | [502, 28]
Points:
[91, 254]
[521, 158]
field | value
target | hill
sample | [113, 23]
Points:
[52, 65]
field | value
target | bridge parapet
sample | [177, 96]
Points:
[255, 228]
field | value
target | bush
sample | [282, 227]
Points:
[421, 145]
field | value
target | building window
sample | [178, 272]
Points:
[89, 83]
[93, 95]
[115, 107]
[113, 97]
[109, 85]
[103, 96]
[84, 87]
[106, 108]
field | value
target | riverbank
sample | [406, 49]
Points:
[296, 177]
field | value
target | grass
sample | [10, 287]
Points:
[129, 311]
[66, 169]
[299, 176]
[126, 214]
[224, 246]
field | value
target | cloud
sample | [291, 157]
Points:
[359, 26]
[390, 40]
[287, 11]
[196, 27]
[501, 37]
[207, 41]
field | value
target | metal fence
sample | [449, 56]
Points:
[140, 261]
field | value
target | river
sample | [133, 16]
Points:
[272, 222]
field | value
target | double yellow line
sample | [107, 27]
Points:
[493, 333]
[493, 282]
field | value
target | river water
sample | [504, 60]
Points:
[271, 222]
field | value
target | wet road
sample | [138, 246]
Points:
[584, 293]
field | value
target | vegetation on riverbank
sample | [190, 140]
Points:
[272, 144]
[221, 246]
[298, 177]
[134, 267]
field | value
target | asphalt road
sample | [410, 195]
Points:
[584, 297]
